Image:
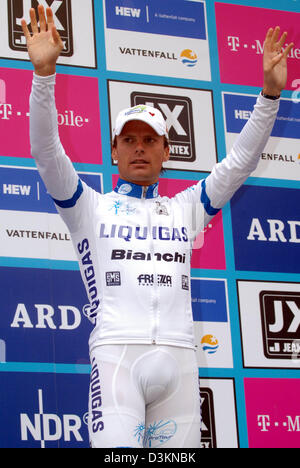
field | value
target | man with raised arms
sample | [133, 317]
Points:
[133, 248]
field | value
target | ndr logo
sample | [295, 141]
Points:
[50, 427]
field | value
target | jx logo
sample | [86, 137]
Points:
[45, 427]
[178, 113]
[18, 9]
[280, 316]
[208, 425]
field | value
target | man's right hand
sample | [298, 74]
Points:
[45, 45]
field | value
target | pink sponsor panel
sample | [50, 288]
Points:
[212, 253]
[77, 101]
[273, 414]
[241, 46]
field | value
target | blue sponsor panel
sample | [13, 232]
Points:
[170, 17]
[42, 318]
[24, 190]
[238, 110]
[266, 229]
[209, 301]
[42, 410]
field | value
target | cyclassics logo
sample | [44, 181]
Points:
[178, 113]
[18, 9]
[280, 318]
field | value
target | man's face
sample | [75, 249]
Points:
[140, 152]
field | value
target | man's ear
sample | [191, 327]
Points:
[166, 156]
[114, 153]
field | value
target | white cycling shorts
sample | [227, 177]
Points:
[144, 396]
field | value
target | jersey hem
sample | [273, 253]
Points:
[142, 342]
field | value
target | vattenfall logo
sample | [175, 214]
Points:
[187, 57]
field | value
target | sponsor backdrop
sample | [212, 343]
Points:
[200, 63]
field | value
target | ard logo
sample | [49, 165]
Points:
[18, 9]
[280, 318]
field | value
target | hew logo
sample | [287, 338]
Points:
[49, 427]
[178, 113]
[280, 318]
[125, 11]
[18, 9]
[208, 426]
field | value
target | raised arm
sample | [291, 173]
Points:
[54, 166]
[227, 176]
[44, 45]
[275, 62]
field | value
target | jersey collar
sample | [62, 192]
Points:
[138, 191]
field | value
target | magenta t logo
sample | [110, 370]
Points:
[2, 92]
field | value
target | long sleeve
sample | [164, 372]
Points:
[228, 175]
[53, 164]
[73, 198]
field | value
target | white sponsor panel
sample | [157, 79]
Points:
[79, 47]
[213, 340]
[219, 415]
[34, 235]
[270, 323]
[155, 55]
[189, 116]
[280, 158]
[155, 40]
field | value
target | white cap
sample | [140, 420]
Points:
[147, 114]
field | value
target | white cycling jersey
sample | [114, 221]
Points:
[133, 246]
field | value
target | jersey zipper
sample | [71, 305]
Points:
[155, 301]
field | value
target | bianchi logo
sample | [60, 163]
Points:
[178, 113]
[280, 318]
[148, 280]
[18, 9]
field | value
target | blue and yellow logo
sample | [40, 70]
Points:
[189, 57]
[210, 344]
